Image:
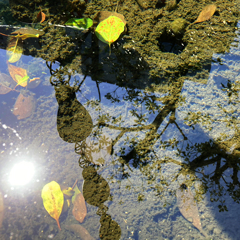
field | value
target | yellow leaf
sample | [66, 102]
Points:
[53, 200]
[206, 13]
[69, 192]
[110, 29]
[14, 50]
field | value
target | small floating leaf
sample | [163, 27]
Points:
[25, 33]
[41, 16]
[81, 24]
[206, 13]
[53, 200]
[109, 30]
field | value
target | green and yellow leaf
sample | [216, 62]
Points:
[53, 200]
[81, 24]
[19, 75]
[110, 29]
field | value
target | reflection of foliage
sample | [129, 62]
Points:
[232, 90]
[222, 154]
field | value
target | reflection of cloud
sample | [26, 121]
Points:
[21, 173]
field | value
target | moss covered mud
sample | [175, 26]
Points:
[170, 120]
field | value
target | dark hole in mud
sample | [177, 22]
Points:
[172, 44]
[162, 3]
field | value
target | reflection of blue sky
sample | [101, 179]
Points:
[33, 149]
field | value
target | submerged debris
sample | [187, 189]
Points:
[80, 231]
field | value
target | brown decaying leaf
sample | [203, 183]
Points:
[79, 208]
[17, 71]
[24, 106]
[80, 231]
[188, 207]
[41, 16]
[1, 209]
[206, 13]
[6, 83]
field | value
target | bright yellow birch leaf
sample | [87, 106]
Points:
[53, 200]
[110, 29]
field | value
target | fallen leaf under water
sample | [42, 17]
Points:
[17, 74]
[24, 106]
[53, 200]
[6, 83]
[79, 208]
[188, 207]
[80, 231]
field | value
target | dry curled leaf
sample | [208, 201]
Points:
[41, 16]
[206, 13]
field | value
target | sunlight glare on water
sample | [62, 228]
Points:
[21, 173]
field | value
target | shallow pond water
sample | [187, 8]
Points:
[155, 158]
